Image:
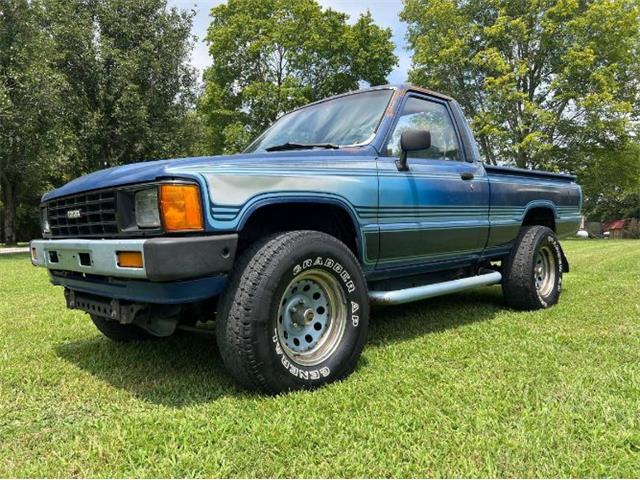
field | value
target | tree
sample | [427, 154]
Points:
[131, 84]
[611, 183]
[31, 103]
[541, 80]
[272, 56]
[86, 84]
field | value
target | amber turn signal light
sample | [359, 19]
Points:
[130, 259]
[180, 207]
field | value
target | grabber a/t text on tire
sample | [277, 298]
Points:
[532, 274]
[295, 313]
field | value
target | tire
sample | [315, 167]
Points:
[295, 313]
[118, 332]
[532, 274]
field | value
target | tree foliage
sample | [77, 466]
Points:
[127, 62]
[86, 84]
[31, 103]
[534, 76]
[272, 56]
[610, 181]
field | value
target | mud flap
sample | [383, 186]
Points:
[565, 262]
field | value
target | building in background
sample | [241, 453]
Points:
[615, 229]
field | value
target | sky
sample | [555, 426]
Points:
[385, 14]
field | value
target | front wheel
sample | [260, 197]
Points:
[532, 274]
[295, 313]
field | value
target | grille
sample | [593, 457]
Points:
[97, 215]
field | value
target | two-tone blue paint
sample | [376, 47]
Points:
[424, 219]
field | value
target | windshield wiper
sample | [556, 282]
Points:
[300, 146]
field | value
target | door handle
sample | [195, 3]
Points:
[466, 176]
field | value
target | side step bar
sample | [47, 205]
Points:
[406, 295]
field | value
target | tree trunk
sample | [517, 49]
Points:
[522, 159]
[9, 200]
[486, 150]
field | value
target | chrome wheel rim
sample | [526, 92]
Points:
[544, 271]
[312, 317]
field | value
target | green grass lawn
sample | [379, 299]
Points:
[456, 386]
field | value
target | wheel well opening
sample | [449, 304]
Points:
[282, 217]
[540, 216]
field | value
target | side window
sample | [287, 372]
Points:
[419, 114]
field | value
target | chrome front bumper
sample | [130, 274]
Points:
[164, 258]
[102, 256]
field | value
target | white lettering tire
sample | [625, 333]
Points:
[295, 313]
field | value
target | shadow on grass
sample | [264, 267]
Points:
[186, 369]
[390, 324]
[178, 371]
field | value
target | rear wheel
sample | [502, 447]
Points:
[119, 332]
[295, 313]
[532, 274]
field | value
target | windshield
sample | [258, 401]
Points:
[347, 120]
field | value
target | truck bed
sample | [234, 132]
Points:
[524, 172]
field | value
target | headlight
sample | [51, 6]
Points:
[147, 212]
[44, 221]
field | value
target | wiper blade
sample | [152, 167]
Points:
[300, 146]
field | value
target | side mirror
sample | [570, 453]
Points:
[410, 141]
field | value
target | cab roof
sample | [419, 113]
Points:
[407, 87]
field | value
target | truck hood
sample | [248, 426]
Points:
[154, 170]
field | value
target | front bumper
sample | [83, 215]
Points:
[165, 259]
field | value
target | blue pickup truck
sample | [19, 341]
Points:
[372, 197]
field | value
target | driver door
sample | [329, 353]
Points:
[437, 212]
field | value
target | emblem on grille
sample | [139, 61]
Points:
[73, 213]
